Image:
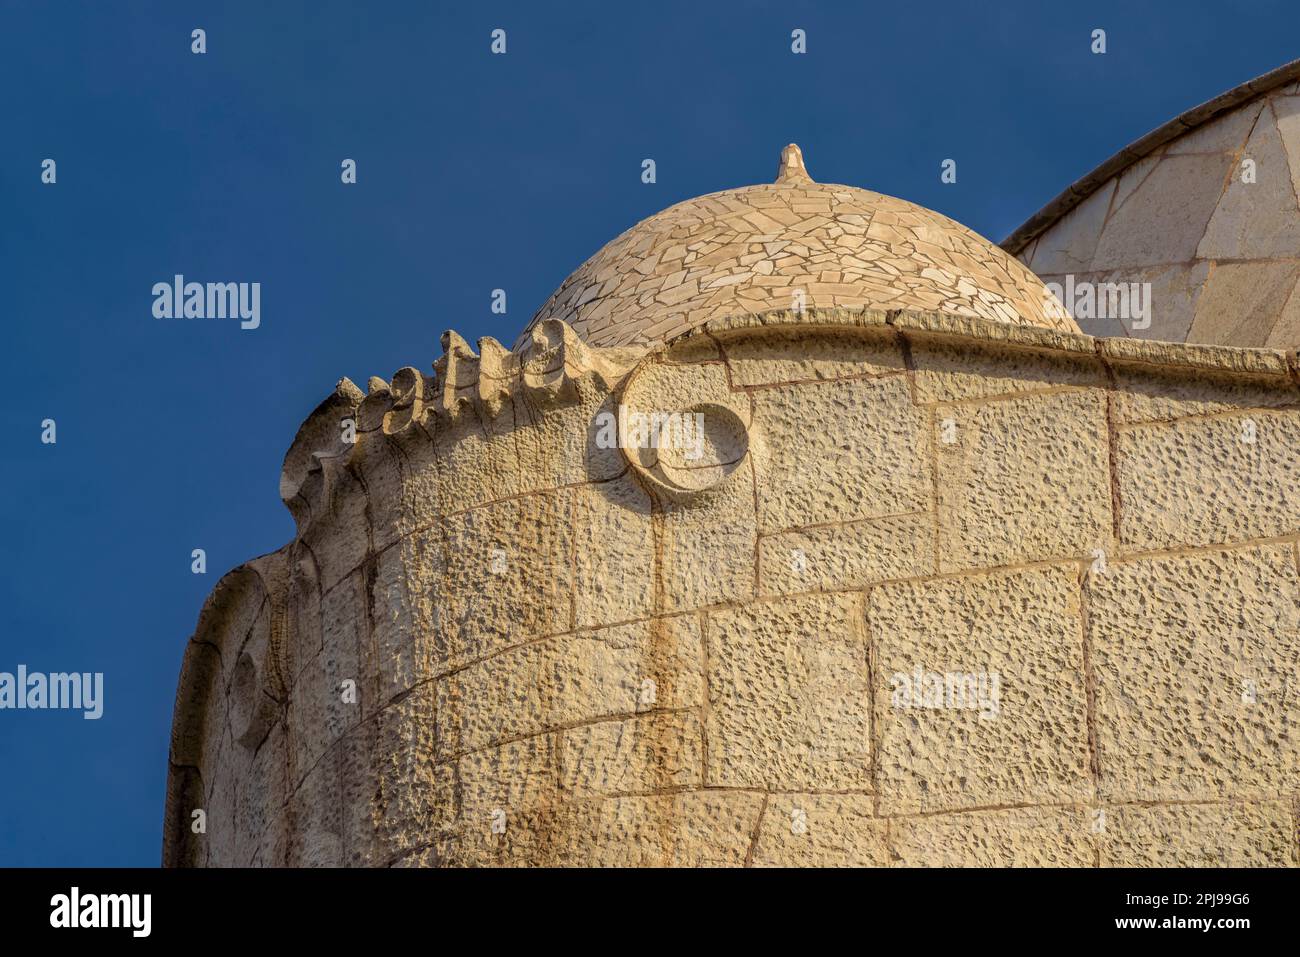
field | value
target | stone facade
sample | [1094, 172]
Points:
[925, 588]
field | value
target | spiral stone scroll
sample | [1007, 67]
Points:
[682, 428]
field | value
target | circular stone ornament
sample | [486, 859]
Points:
[682, 429]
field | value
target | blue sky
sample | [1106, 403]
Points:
[475, 172]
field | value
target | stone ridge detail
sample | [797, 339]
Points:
[549, 368]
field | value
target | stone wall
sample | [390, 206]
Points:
[568, 655]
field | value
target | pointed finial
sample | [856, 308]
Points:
[792, 169]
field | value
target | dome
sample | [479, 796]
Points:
[758, 248]
[1200, 217]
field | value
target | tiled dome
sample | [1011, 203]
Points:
[754, 249]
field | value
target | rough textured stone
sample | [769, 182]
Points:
[1023, 480]
[569, 680]
[821, 830]
[851, 555]
[509, 574]
[1195, 659]
[1199, 835]
[1229, 478]
[1015, 837]
[1023, 740]
[785, 356]
[652, 752]
[789, 702]
[1145, 394]
[871, 461]
[692, 829]
[614, 553]
[948, 372]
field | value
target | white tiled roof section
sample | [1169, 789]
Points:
[760, 248]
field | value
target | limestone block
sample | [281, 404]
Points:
[650, 752]
[788, 695]
[1022, 480]
[259, 795]
[420, 460]
[378, 458]
[1194, 659]
[851, 555]
[951, 372]
[354, 766]
[1147, 394]
[424, 857]
[329, 813]
[840, 451]
[1013, 730]
[339, 537]
[509, 574]
[499, 807]
[1068, 247]
[1242, 303]
[318, 714]
[477, 458]
[405, 812]
[305, 636]
[216, 738]
[558, 444]
[1166, 215]
[1199, 835]
[688, 829]
[614, 552]
[708, 546]
[1258, 220]
[315, 817]
[692, 349]
[408, 588]
[821, 830]
[1014, 837]
[571, 679]
[222, 802]
[787, 355]
[243, 611]
[1229, 478]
